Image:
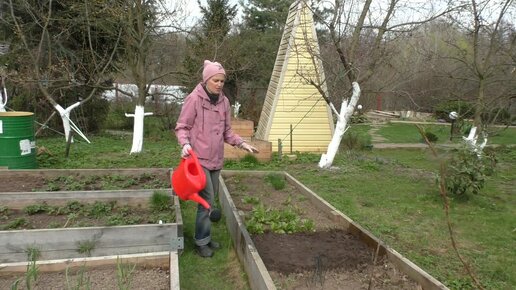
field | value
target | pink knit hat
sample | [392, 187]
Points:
[211, 69]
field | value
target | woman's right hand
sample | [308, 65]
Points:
[185, 151]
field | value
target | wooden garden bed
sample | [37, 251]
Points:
[350, 258]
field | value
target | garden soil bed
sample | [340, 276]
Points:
[104, 277]
[83, 180]
[76, 214]
[326, 258]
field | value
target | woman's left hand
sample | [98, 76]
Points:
[248, 147]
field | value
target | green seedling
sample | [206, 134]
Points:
[17, 224]
[276, 180]
[124, 272]
[251, 200]
[36, 208]
[86, 247]
[83, 281]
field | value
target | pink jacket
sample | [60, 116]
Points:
[206, 127]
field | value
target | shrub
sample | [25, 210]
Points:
[431, 136]
[466, 172]
[463, 108]
[359, 119]
[355, 141]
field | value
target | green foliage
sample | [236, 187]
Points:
[36, 208]
[263, 15]
[249, 161]
[17, 224]
[4, 212]
[32, 272]
[466, 172]
[276, 180]
[72, 206]
[104, 182]
[358, 119]
[251, 200]
[285, 221]
[356, 141]
[33, 253]
[116, 119]
[463, 108]
[431, 137]
[123, 219]
[83, 281]
[160, 201]
[86, 247]
[124, 274]
[250, 158]
[99, 209]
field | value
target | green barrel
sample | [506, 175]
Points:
[17, 143]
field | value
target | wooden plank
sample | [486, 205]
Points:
[65, 243]
[39, 173]
[174, 270]
[264, 147]
[19, 200]
[244, 128]
[154, 259]
[259, 277]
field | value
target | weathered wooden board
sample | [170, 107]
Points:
[19, 200]
[168, 259]
[101, 241]
[257, 273]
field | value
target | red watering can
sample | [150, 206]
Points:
[188, 179]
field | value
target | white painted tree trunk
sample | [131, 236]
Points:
[471, 142]
[346, 110]
[68, 125]
[139, 115]
[3, 100]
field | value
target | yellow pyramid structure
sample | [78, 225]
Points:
[292, 103]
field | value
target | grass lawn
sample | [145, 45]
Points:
[408, 133]
[392, 193]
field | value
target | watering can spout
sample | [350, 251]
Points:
[198, 199]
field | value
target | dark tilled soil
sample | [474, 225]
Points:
[329, 258]
[83, 182]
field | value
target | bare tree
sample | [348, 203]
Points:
[359, 33]
[484, 58]
[55, 67]
[146, 22]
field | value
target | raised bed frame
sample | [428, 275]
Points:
[149, 244]
[248, 255]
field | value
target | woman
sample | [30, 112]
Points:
[203, 126]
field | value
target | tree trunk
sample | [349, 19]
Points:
[346, 110]
[139, 115]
